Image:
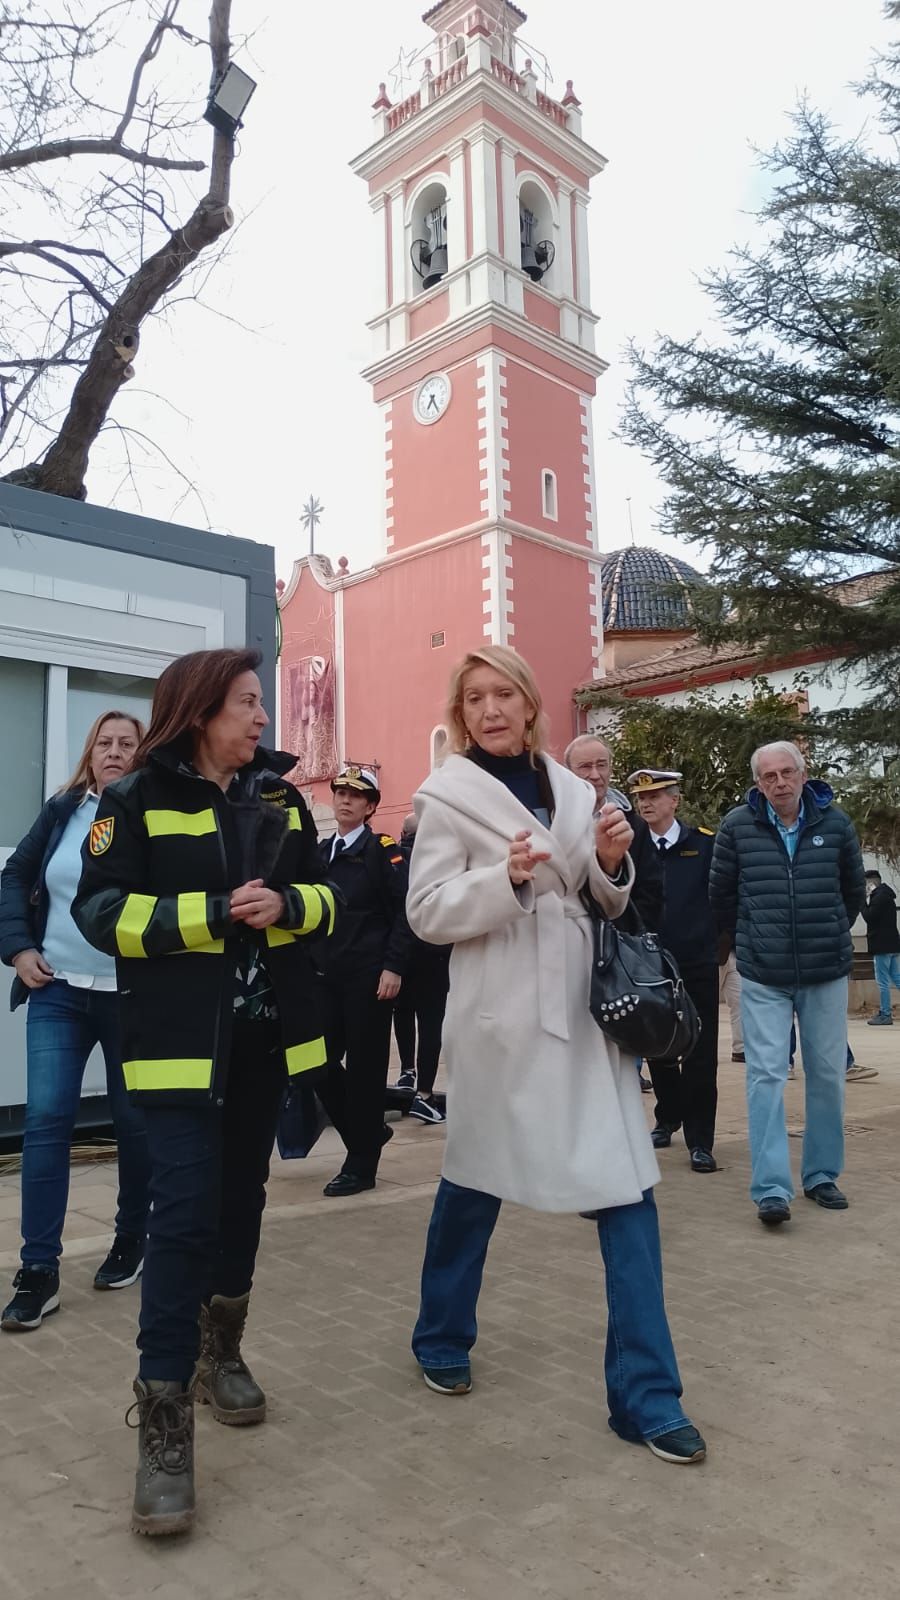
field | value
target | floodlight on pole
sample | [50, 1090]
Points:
[229, 99]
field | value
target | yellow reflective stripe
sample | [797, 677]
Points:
[303, 1057]
[312, 906]
[162, 824]
[328, 896]
[190, 1074]
[293, 816]
[216, 947]
[192, 919]
[132, 924]
[277, 936]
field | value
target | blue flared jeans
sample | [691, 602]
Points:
[62, 1027]
[643, 1387]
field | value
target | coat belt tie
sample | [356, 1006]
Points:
[552, 911]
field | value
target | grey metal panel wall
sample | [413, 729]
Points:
[27, 510]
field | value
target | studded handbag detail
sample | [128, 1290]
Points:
[637, 995]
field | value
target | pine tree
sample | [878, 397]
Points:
[780, 443]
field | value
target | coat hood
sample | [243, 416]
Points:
[816, 792]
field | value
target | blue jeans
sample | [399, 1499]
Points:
[643, 1387]
[62, 1027]
[767, 1014]
[887, 972]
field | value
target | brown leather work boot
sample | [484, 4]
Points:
[223, 1380]
[164, 1483]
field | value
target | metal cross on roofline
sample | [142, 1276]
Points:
[310, 517]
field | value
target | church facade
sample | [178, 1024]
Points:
[483, 372]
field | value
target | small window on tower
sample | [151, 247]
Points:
[548, 494]
[437, 640]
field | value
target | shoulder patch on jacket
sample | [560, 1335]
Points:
[101, 835]
[388, 842]
[710, 832]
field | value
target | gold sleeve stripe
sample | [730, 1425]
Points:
[293, 816]
[192, 924]
[187, 1074]
[132, 924]
[168, 824]
[303, 1057]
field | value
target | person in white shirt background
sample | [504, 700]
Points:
[72, 1006]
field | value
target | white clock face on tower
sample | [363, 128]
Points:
[432, 398]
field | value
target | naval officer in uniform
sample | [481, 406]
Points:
[686, 1090]
[360, 977]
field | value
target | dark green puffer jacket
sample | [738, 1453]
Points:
[791, 919]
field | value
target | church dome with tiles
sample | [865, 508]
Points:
[646, 591]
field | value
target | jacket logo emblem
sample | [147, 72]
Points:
[101, 835]
[817, 839]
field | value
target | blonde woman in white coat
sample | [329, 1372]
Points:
[542, 1110]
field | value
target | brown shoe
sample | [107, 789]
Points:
[223, 1381]
[164, 1482]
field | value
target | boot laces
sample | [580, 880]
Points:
[166, 1420]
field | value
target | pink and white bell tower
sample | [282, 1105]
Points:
[483, 371]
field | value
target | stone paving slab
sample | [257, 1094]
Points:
[362, 1482]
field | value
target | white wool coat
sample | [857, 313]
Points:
[541, 1108]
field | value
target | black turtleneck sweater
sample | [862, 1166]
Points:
[529, 784]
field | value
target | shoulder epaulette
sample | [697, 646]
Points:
[710, 832]
[388, 842]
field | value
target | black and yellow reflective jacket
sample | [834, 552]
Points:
[159, 864]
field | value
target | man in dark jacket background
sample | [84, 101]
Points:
[686, 1090]
[787, 880]
[883, 943]
[588, 757]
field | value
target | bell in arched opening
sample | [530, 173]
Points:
[429, 256]
[537, 254]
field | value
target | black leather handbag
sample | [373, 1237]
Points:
[637, 995]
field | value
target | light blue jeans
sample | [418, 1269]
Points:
[767, 1014]
[887, 972]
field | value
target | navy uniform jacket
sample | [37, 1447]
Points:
[688, 927]
[373, 933]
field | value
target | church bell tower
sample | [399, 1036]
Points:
[484, 363]
[483, 372]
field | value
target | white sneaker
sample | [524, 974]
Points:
[424, 1111]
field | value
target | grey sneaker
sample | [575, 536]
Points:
[881, 1021]
[684, 1446]
[448, 1380]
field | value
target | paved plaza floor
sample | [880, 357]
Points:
[364, 1483]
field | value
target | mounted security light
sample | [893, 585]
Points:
[229, 99]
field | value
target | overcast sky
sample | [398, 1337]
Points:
[675, 95]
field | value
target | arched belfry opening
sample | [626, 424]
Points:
[537, 229]
[428, 236]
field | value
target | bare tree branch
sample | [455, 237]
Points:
[128, 252]
[62, 149]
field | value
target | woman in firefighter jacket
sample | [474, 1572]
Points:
[201, 876]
